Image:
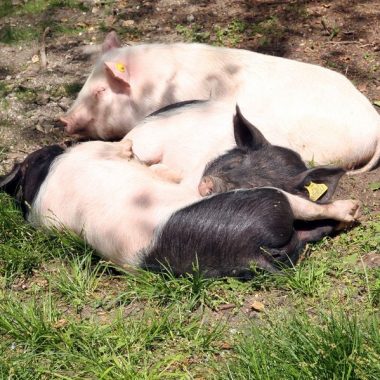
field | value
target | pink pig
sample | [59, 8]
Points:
[312, 110]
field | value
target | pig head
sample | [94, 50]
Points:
[100, 108]
[257, 163]
[26, 178]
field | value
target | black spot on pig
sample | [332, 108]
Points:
[227, 234]
[232, 69]
[217, 85]
[256, 163]
[25, 179]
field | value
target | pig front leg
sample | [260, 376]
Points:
[126, 149]
[346, 211]
[161, 170]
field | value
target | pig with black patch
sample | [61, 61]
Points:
[136, 218]
[255, 162]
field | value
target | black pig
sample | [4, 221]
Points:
[256, 163]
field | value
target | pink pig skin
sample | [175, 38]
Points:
[313, 110]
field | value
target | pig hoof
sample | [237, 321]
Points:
[205, 187]
[349, 210]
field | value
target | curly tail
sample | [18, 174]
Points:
[371, 164]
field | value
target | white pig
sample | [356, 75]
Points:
[313, 110]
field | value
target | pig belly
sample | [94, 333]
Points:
[114, 205]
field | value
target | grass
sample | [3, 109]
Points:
[328, 346]
[66, 314]
[266, 32]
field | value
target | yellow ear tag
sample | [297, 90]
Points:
[120, 67]
[316, 190]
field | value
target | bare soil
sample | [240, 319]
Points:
[343, 35]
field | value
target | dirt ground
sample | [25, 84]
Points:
[343, 35]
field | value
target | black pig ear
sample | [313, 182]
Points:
[11, 181]
[247, 135]
[326, 175]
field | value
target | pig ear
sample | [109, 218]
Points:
[246, 135]
[10, 182]
[118, 71]
[111, 42]
[317, 177]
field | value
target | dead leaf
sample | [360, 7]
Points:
[376, 103]
[257, 306]
[60, 323]
[35, 58]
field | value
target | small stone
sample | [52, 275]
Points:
[64, 103]
[257, 306]
[128, 23]
[190, 18]
[42, 99]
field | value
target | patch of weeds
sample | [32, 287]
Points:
[268, 31]
[232, 34]
[3, 150]
[229, 35]
[364, 238]
[308, 278]
[159, 344]
[331, 31]
[22, 248]
[72, 89]
[25, 95]
[6, 8]
[374, 288]
[165, 288]
[13, 34]
[193, 33]
[330, 346]
[81, 5]
[38, 6]
[67, 89]
[124, 31]
[78, 279]
[4, 89]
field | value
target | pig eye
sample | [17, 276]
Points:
[98, 92]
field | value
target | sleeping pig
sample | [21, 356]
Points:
[184, 138]
[255, 162]
[312, 110]
[134, 217]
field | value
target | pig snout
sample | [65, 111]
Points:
[75, 125]
[205, 187]
[65, 124]
[210, 184]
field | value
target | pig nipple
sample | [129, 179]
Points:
[205, 187]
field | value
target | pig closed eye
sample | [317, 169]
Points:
[98, 93]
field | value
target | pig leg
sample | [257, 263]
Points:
[166, 173]
[225, 234]
[342, 210]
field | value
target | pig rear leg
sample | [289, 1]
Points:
[227, 233]
[343, 210]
